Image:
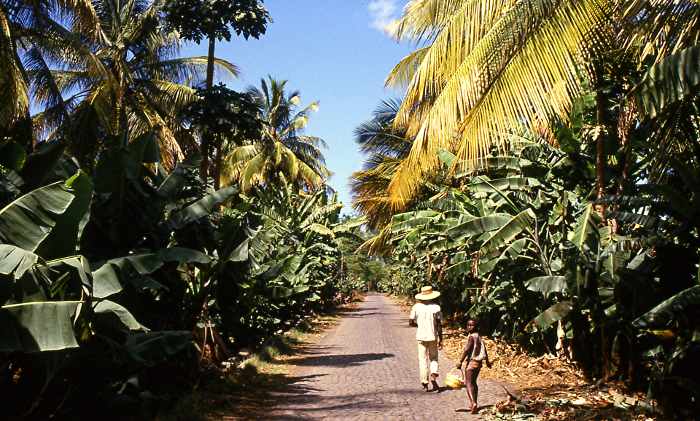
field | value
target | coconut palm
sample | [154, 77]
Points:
[484, 68]
[124, 82]
[283, 148]
[385, 148]
[15, 104]
[18, 18]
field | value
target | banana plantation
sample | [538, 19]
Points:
[541, 170]
[540, 167]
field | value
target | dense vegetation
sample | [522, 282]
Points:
[542, 170]
[151, 222]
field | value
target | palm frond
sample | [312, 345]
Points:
[658, 28]
[170, 97]
[15, 103]
[404, 71]
[524, 70]
[423, 20]
[462, 32]
[253, 172]
[671, 80]
[191, 69]
[84, 17]
[45, 89]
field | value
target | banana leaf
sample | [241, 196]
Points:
[126, 320]
[510, 183]
[200, 208]
[494, 164]
[509, 231]
[28, 221]
[547, 284]
[513, 252]
[670, 309]
[586, 229]
[106, 279]
[446, 157]
[553, 314]
[176, 181]
[152, 347]
[40, 165]
[12, 155]
[16, 261]
[478, 226]
[321, 229]
[65, 236]
[240, 253]
[412, 219]
[38, 326]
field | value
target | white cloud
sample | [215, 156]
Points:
[384, 14]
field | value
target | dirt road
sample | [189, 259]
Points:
[366, 368]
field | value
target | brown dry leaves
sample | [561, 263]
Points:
[549, 388]
[512, 365]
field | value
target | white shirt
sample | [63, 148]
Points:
[425, 316]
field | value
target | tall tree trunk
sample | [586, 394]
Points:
[204, 169]
[626, 120]
[606, 129]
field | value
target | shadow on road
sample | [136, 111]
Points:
[363, 314]
[338, 360]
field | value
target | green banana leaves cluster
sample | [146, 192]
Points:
[134, 269]
[295, 260]
[520, 246]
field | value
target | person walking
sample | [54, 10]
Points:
[475, 354]
[427, 316]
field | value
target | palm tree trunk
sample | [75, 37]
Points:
[204, 169]
[606, 130]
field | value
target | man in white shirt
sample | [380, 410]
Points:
[427, 316]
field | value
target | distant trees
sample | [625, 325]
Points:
[196, 20]
[283, 149]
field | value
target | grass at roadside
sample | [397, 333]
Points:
[242, 391]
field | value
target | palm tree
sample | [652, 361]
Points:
[124, 82]
[486, 67]
[15, 103]
[667, 34]
[283, 148]
[18, 19]
[386, 147]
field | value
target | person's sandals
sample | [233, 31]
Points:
[475, 409]
[425, 386]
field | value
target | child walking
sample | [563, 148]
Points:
[475, 354]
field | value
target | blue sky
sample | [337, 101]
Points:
[333, 51]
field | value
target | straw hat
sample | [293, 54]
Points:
[427, 293]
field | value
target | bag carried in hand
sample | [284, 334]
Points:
[454, 379]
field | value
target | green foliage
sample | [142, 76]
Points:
[121, 267]
[198, 19]
[223, 112]
[533, 257]
[189, 271]
[674, 79]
